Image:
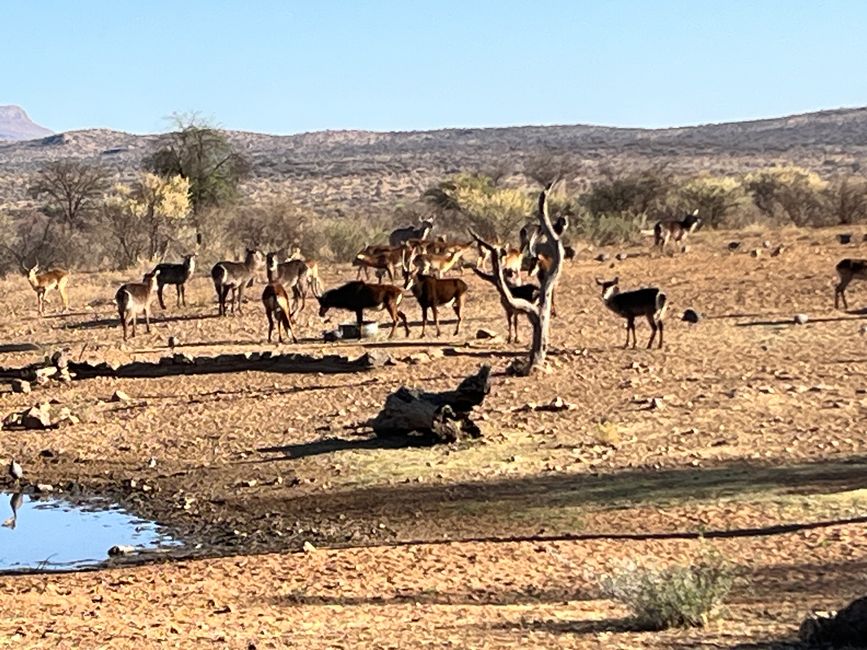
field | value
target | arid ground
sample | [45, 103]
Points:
[754, 445]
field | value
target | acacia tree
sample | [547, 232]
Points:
[203, 155]
[539, 313]
[70, 189]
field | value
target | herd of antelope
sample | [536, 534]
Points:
[422, 262]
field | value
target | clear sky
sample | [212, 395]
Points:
[291, 66]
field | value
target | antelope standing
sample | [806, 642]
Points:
[292, 275]
[386, 262]
[528, 292]
[435, 263]
[675, 229]
[431, 293]
[276, 302]
[135, 298]
[356, 296]
[234, 277]
[400, 235]
[649, 302]
[178, 275]
[53, 279]
[847, 270]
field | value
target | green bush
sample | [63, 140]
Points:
[675, 596]
[609, 229]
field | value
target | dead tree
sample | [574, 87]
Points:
[539, 314]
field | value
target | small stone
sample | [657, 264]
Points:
[119, 396]
[766, 244]
[776, 252]
[602, 257]
[756, 252]
[20, 386]
[44, 488]
[485, 334]
[307, 547]
[691, 316]
[120, 549]
[621, 256]
[734, 245]
[801, 319]
[863, 330]
[844, 237]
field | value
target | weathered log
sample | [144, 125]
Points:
[434, 417]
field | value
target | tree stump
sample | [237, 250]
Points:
[434, 417]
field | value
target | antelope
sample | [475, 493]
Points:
[370, 250]
[292, 274]
[649, 302]
[135, 298]
[276, 302]
[847, 270]
[431, 292]
[528, 292]
[357, 296]
[178, 275]
[234, 277]
[675, 229]
[385, 261]
[55, 279]
[401, 235]
[313, 281]
[438, 263]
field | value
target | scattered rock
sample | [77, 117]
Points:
[20, 386]
[417, 358]
[691, 316]
[120, 549]
[377, 358]
[44, 488]
[621, 256]
[734, 245]
[173, 342]
[307, 547]
[602, 257]
[485, 334]
[756, 252]
[801, 319]
[119, 396]
[779, 249]
[183, 359]
[36, 417]
[844, 237]
[863, 330]
[766, 244]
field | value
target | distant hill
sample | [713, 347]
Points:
[15, 125]
[352, 169]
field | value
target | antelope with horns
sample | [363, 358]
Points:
[675, 230]
[431, 293]
[176, 274]
[133, 299]
[649, 302]
[276, 302]
[234, 277]
[399, 236]
[356, 296]
[847, 270]
[53, 279]
[528, 292]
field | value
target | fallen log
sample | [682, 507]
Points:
[433, 417]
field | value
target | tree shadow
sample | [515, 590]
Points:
[333, 445]
[790, 322]
[98, 323]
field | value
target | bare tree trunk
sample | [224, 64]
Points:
[538, 314]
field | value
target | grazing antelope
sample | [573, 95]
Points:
[431, 293]
[356, 296]
[399, 236]
[650, 302]
[676, 230]
[234, 277]
[848, 270]
[178, 275]
[135, 298]
[528, 292]
[276, 302]
[55, 279]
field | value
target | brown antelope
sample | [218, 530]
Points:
[356, 296]
[528, 292]
[434, 263]
[234, 277]
[387, 261]
[847, 270]
[313, 281]
[135, 298]
[52, 279]
[650, 302]
[276, 302]
[292, 275]
[178, 275]
[401, 235]
[431, 293]
[675, 230]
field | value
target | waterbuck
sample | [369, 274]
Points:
[649, 302]
[292, 275]
[399, 236]
[356, 296]
[234, 277]
[276, 302]
[528, 292]
[53, 279]
[386, 262]
[675, 230]
[135, 298]
[431, 293]
[178, 275]
[847, 270]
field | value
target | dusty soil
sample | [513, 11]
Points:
[756, 441]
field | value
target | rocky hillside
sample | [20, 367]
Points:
[345, 169]
[15, 125]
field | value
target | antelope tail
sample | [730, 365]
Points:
[661, 305]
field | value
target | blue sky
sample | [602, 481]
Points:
[288, 67]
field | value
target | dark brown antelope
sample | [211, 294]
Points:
[675, 230]
[528, 292]
[650, 302]
[178, 275]
[432, 293]
[386, 262]
[276, 302]
[234, 277]
[847, 270]
[51, 280]
[292, 275]
[400, 235]
[133, 299]
[356, 296]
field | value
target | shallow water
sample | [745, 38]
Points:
[54, 533]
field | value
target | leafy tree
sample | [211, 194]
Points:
[637, 193]
[790, 192]
[71, 190]
[715, 197]
[846, 197]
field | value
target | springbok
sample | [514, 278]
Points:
[431, 293]
[649, 302]
[234, 277]
[135, 298]
[53, 279]
[178, 275]
[675, 229]
[847, 270]
[276, 302]
[356, 296]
